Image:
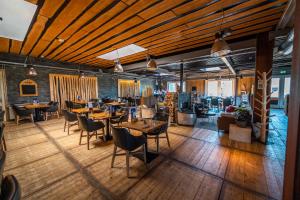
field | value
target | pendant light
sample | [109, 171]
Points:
[31, 70]
[220, 47]
[81, 74]
[118, 67]
[151, 64]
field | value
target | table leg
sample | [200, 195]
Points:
[149, 155]
[108, 135]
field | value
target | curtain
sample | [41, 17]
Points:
[128, 88]
[3, 89]
[68, 87]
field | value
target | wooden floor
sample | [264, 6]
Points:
[49, 164]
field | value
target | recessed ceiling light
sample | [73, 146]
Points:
[211, 69]
[60, 40]
[122, 52]
[18, 15]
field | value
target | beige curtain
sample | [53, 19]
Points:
[68, 87]
[3, 92]
[128, 88]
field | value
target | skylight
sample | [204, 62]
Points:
[16, 17]
[122, 52]
[211, 69]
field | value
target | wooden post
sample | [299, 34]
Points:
[264, 58]
[181, 77]
[291, 189]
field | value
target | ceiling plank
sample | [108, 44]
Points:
[89, 28]
[15, 47]
[118, 20]
[86, 56]
[4, 45]
[64, 19]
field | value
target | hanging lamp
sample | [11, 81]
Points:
[118, 67]
[220, 47]
[31, 70]
[151, 64]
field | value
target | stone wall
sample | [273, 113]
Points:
[107, 87]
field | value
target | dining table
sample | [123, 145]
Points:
[37, 107]
[105, 116]
[145, 126]
[84, 110]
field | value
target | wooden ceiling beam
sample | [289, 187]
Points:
[115, 23]
[67, 16]
[86, 56]
[4, 45]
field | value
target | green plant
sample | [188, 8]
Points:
[242, 114]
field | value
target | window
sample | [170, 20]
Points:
[212, 88]
[223, 88]
[226, 88]
[275, 87]
[173, 85]
[287, 85]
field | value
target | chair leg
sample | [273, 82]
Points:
[145, 154]
[167, 136]
[32, 118]
[65, 126]
[88, 140]
[104, 138]
[127, 163]
[18, 119]
[113, 156]
[157, 144]
[46, 116]
[80, 137]
[96, 135]
[68, 128]
[57, 114]
[4, 143]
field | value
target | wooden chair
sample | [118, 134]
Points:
[22, 113]
[91, 127]
[129, 143]
[70, 119]
[52, 110]
[156, 134]
[10, 189]
[2, 139]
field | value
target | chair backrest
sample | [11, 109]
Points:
[69, 116]
[21, 111]
[2, 112]
[2, 162]
[10, 189]
[83, 122]
[215, 101]
[227, 102]
[53, 107]
[124, 140]
[161, 116]
[68, 105]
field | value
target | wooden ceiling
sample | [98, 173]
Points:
[91, 28]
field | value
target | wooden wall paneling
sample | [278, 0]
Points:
[245, 84]
[15, 47]
[118, 20]
[84, 31]
[4, 44]
[87, 57]
[199, 84]
[73, 9]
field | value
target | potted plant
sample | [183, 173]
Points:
[242, 117]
